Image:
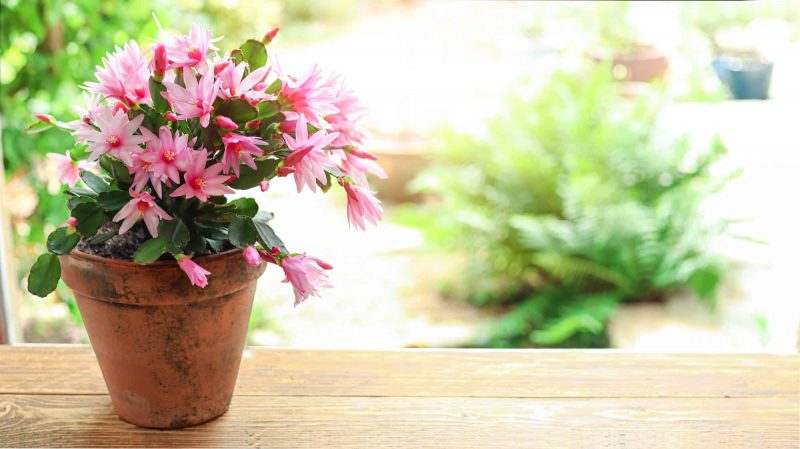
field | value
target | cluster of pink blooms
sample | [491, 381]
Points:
[166, 163]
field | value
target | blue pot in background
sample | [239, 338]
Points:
[746, 79]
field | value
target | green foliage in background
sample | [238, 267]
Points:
[569, 205]
[47, 49]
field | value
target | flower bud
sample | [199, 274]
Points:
[253, 124]
[285, 171]
[159, 61]
[170, 117]
[251, 256]
[264, 185]
[120, 106]
[225, 123]
[45, 118]
[270, 36]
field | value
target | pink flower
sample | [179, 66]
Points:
[238, 149]
[196, 99]
[306, 274]
[142, 173]
[346, 101]
[166, 155]
[225, 123]
[361, 205]
[308, 157]
[251, 256]
[311, 96]
[197, 274]
[68, 169]
[191, 50]
[349, 133]
[141, 206]
[124, 76]
[263, 185]
[233, 86]
[115, 135]
[345, 120]
[87, 113]
[356, 164]
[202, 181]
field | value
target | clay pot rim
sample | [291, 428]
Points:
[158, 264]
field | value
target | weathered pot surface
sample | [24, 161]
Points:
[169, 351]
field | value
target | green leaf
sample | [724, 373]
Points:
[275, 87]
[216, 245]
[255, 53]
[174, 231]
[159, 102]
[197, 244]
[238, 110]
[249, 178]
[113, 200]
[61, 242]
[266, 234]
[153, 120]
[100, 238]
[236, 56]
[79, 191]
[94, 182]
[334, 170]
[75, 200]
[242, 232]
[267, 109]
[705, 281]
[38, 126]
[90, 218]
[244, 207]
[116, 169]
[44, 275]
[212, 230]
[150, 250]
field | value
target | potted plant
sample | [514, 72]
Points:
[618, 43]
[741, 37]
[162, 264]
[740, 65]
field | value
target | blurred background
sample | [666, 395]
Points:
[561, 174]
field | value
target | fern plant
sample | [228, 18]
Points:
[570, 204]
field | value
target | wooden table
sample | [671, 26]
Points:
[292, 398]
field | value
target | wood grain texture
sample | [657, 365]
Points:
[412, 422]
[54, 396]
[441, 373]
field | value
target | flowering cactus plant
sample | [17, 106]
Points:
[166, 133]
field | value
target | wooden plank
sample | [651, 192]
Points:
[441, 423]
[469, 373]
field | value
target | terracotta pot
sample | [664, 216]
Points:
[642, 65]
[169, 352]
[402, 158]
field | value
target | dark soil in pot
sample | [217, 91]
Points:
[120, 247]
